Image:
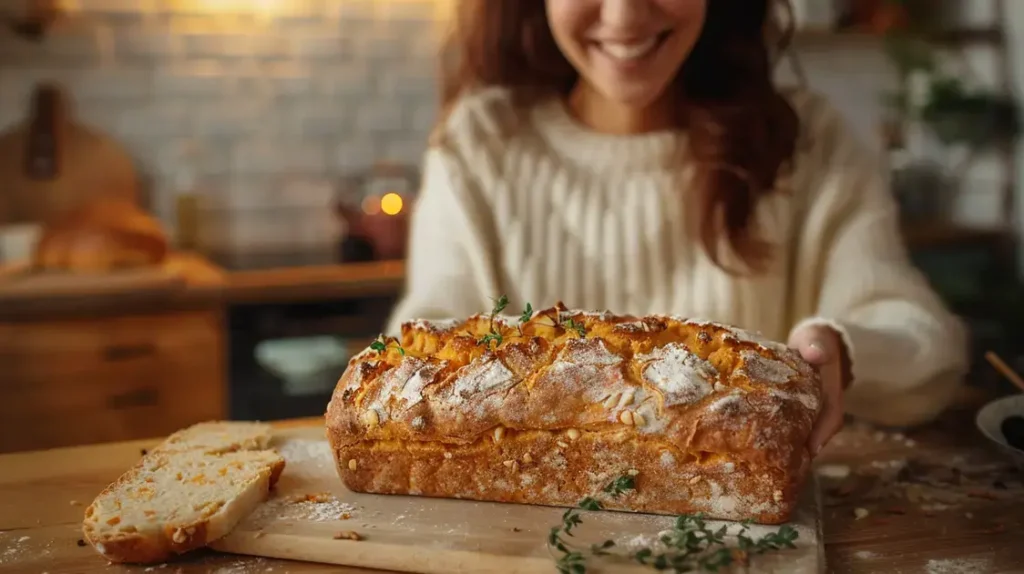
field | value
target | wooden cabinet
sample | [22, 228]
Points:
[87, 380]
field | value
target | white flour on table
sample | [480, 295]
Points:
[958, 566]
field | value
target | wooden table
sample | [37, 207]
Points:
[922, 519]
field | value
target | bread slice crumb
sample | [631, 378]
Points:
[189, 491]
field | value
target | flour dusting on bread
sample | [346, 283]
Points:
[681, 376]
[758, 367]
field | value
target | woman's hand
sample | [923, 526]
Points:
[822, 347]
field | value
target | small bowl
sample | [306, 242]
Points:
[992, 415]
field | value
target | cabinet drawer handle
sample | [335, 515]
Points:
[146, 397]
[124, 352]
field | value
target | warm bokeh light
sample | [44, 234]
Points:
[391, 203]
[371, 205]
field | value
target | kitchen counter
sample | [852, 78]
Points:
[205, 284]
[934, 500]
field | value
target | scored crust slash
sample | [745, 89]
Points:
[548, 407]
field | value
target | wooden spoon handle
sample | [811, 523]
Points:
[1005, 369]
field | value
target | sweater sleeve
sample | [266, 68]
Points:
[449, 267]
[908, 352]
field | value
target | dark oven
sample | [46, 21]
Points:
[285, 358]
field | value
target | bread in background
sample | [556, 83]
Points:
[102, 236]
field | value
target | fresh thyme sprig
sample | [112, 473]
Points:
[525, 316]
[381, 344]
[494, 335]
[499, 305]
[690, 546]
[571, 325]
[573, 561]
[527, 313]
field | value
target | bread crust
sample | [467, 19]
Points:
[708, 418]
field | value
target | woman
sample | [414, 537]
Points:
[635, 155]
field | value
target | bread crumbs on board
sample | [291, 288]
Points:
[316, 507]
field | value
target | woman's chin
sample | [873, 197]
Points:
[634, 96]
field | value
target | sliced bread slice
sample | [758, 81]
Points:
[173, 501]
[216, 437]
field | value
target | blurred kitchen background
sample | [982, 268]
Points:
[217, 190]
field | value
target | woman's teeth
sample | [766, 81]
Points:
[631, 51]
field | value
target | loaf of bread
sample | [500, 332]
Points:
[101, 236]
[187, 492]
[707, 418]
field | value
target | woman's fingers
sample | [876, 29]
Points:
[815, 344]
[830, 419]
[819, 346]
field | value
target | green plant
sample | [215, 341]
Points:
[977, 119]
[957, 115]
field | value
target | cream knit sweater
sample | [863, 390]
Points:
[534, 206]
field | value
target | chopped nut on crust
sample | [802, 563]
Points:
[348, 535]
[610, 402]
[370, 418]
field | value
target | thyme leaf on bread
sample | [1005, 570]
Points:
[571, 325]
[525, 316]
[621, 485]
[527, 313]
[499, 305]
[381, 344]
[690, 546]
[494, 335]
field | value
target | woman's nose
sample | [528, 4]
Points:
[623, 14]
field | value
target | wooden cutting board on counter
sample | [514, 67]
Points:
[50, 163]
[412, 534]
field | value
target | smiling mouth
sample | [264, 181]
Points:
[632, 50]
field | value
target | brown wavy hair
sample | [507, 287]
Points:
[741, 131]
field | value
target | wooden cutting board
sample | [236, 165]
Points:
[412, 534]
[50, 163]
